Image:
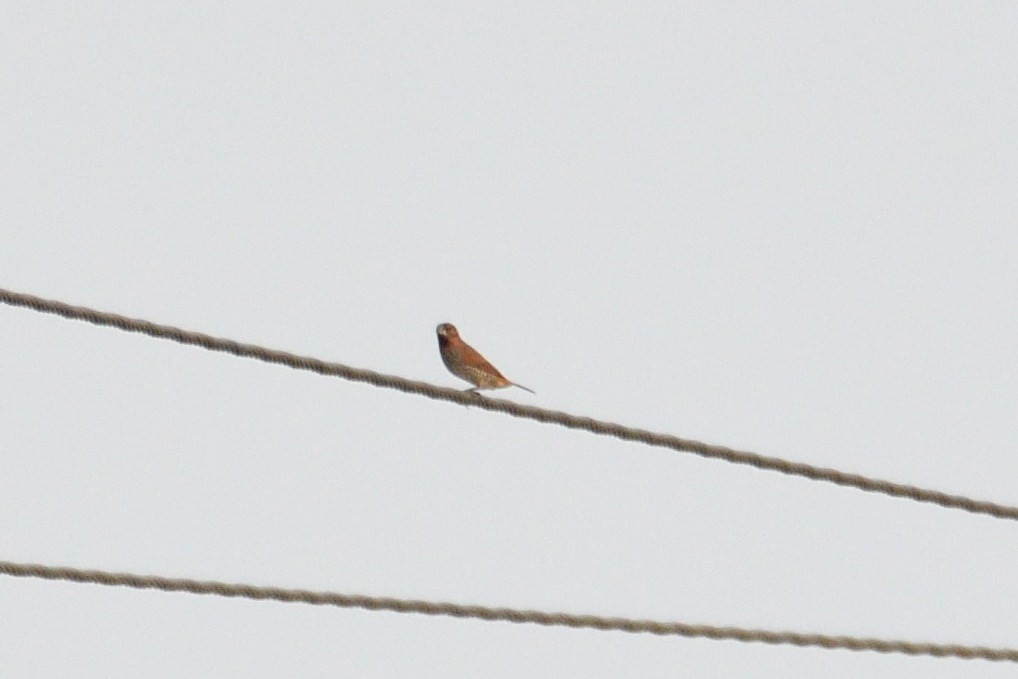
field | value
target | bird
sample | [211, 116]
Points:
[464, 362]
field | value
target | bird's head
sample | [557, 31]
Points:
[448, 331]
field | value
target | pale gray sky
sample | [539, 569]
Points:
[785, 229]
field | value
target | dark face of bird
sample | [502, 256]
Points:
[446, 333]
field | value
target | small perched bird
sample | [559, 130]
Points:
[464, 362]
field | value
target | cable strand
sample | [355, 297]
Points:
[512, 615]
[598, 427]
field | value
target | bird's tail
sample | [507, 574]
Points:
[525, 388]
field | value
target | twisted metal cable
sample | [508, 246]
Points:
[513, 615]
[591, 425]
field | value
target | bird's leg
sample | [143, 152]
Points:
[473, 390]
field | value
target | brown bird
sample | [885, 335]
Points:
[464, 362]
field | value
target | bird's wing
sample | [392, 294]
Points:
[472, 358]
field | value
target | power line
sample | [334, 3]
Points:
[504, 614]
[591, 425]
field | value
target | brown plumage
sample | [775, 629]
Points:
[464, 362]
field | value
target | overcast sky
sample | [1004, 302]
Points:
[786, 229]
